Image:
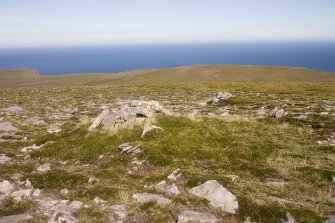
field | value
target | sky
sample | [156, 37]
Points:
[31, 23]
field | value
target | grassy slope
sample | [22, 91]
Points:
[215, 73]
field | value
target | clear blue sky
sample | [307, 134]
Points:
[91, 22]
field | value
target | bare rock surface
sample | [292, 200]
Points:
[6, 187]
[145, 197]
[13, 109]
[196, 217]
[217, 195]
[277, 113]
[120, 211]
[7, 127]
[15, 218]
[62, 214]
[4, 159]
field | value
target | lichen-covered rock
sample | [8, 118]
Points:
[217, 195]
[146, 197]
[7, 127]
[196, 217]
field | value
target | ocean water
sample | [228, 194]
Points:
[95, 59]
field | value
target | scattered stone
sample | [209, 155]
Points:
[54, 129]
[37, 193]
[120, 211]
[148, 128]
[44, 168]
[174, 175]
[289, 218]
[276, 182]
[28, 149]
[92, 180]
[6, 187]
[15, 218]
[7, 127]
[64, 192]
[76, 205]
[21, 194]
[220, 96]
[13, 109]
[98, 200]
[127, 148]
[202, 104]
[261, 111]
[35, 121]
[28, 184]
[217, 195]
[277, 113]
[62, 215]
[168, 188]
[146, 197]
[196, 217]
[4, 159]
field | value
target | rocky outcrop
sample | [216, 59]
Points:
[220, 96]
[217, 195]
[196, 217]
[128, 115]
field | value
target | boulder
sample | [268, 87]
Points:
[217, 195]
[7, 127]
[99, 119]
[149, 128]
[220, 96]
[6, 187]
[15, 218]
[196, 217]
[120, 211]
[165, 187]
[146, 197]
[62, 214]
[277, 113]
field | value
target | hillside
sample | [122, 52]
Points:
[211, 144]
[189, 74]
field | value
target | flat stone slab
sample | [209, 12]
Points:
[146, 197]
[15, 218]
[217, 195]
[196, 217]
[7, 127]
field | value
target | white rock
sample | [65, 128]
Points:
[196, 217]
[62, 215]
[146, 197]
[6, 187]
[289, 218]
[120, 211]
[7, 127]
[44, 167]
[4, 159]
[31, 148]
[217, 195]
[15, 218]
[76, 205]
[37, 193]
[99, 119]
[168, 188]
[35, 121]
[277, 113]
[21, 194]
[203, 104]
[28, 184]
[148, 128]
[174, 175]
[98, 200]
[64, 192]
[54, 129]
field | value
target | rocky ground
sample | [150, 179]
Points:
[168, 153]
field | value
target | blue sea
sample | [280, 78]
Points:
[97, 59]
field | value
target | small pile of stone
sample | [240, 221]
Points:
[129, 149]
